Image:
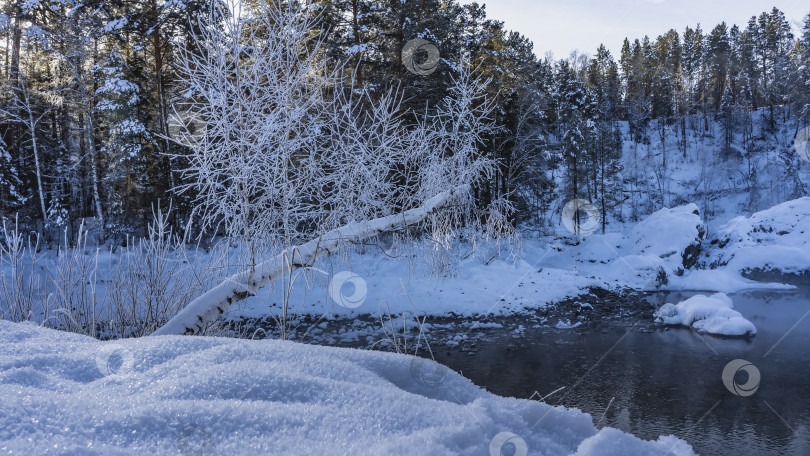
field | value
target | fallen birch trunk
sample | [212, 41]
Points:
[216, 301]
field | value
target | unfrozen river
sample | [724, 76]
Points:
[670, 381]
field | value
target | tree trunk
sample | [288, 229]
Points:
[91, 144]
[216, 301]
[32, 126]
[16, 37]
[157, 50]
[604, 203]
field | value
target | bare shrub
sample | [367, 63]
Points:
[136, 290]
[21, 288]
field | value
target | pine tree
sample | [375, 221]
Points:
[727, 105]
[718, 55]
[123, 146]
[803, 85]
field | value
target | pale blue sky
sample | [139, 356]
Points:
[564, 25]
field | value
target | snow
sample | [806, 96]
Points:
[70, 394]
[774, 239]
[713, 314]
[358, 49]
[117, 85]
[566, 324]
[129, 127]
[667, 234]
[217, 300]
[27, 6]
[115, 24]
[488, 325]
[487, 282]
[475, 287]
[548, 270]
[720, 280]
[35, 33]
[613, 442]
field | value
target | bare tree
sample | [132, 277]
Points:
[24, 111]
[290, 159]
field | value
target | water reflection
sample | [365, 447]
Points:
[669, 381]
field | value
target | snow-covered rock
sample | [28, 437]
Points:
[662, 246]
[774, 239]
[566, 324]
[671, 234]
[713, 314]
[69, 394]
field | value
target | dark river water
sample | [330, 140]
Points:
[669, 381]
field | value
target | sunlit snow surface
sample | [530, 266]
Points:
[68, 394]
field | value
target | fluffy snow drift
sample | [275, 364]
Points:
[69, 394]
[713, 314]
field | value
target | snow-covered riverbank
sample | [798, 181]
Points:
[666, 251]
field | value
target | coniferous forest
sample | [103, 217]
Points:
[91, 92]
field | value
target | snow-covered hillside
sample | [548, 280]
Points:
[693, 165]
[774, 239]
[69, 394]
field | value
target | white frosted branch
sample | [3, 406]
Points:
[193, 318]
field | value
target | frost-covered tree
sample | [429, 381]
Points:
[289, 160]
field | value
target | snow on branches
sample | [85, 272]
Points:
[289, 151]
